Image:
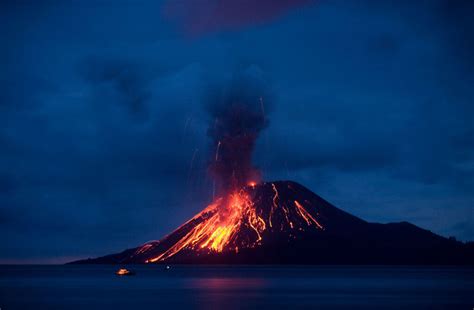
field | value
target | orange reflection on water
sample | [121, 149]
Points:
[227, 283]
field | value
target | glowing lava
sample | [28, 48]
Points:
[223, 219]
[233, 223]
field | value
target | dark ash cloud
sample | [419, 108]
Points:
[238, 112]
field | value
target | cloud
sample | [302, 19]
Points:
[457, 26]
[23, 91]
[127, 82]
[199, 17]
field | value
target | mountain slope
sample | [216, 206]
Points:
[284, 222]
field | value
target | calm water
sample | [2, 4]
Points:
[197, 287]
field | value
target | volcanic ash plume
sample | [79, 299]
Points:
[238, 115]
[241, 219]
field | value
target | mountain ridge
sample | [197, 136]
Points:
[283, 222]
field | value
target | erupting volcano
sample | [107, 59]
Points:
[283, 222]
[243, 220]
[250, 221]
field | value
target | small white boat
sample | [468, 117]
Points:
[124, 272]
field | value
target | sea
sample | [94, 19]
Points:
[235, 287]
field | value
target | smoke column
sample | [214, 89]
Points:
[237, 113]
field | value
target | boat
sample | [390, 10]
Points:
[124, 272]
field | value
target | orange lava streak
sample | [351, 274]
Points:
[286, 212]
[143, 248]
[257, 224]
[217, 231]
[305, 214]
[274, 206]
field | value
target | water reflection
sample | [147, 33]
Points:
[227, 283]
[221, 287]
[226, 293]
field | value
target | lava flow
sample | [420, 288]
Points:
[246, 213]
[240, 220]
[255, 222]
[223, 218]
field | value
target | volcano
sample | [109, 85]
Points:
[285, 223]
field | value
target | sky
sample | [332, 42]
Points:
[103, 122]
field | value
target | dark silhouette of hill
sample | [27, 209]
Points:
[285, 223]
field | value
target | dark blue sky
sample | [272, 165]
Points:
[103, 142]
